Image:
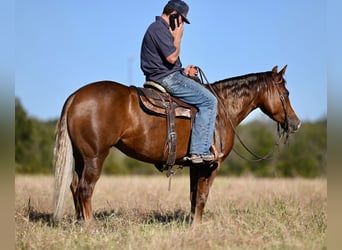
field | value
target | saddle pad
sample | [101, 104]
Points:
[156, 102]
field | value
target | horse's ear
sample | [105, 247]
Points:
[282, 72]
[275, 69]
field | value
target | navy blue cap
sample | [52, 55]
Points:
[181, 7]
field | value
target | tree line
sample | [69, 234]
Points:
[305, 154]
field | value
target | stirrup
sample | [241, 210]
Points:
[208, 157]
[200, 158]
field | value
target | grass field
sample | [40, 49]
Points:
[140, 213]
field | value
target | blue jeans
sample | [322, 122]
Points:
[192, 92]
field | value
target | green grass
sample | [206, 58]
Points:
[140, 213]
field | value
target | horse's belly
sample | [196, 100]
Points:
[149, 142]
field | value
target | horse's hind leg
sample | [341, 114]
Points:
[87, 172]
[79, 165]
[91, 173]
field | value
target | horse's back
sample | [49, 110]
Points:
[100, 90]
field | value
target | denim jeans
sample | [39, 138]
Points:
[190, 91]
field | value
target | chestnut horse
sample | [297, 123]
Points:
[104, 114]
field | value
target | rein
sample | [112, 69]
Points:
[268, 156]
[276, 144]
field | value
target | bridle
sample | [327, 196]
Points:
[286, 120]
[281, 134]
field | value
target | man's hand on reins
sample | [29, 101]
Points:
[191, 71]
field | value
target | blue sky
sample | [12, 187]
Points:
[62, 45]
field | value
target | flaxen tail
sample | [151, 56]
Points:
[63, 162]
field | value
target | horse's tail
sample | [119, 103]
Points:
[62, 162]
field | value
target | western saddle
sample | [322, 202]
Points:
[155, 100]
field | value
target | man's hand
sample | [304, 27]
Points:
[177, 33]
[191, 71]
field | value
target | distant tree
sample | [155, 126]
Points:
[307, 152]
[23, 136]
[34, 141]
[259, 137]
[114, 163]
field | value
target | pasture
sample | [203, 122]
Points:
[136, 212]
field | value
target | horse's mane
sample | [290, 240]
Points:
[235, 92]
[244, 85]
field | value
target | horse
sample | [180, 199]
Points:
[106, 114]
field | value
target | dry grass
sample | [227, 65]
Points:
[140, 213]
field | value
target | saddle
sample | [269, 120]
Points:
[154, 100]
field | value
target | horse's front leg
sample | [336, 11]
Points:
[201, 180]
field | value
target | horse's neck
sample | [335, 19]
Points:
[237, 112]
[236, 99]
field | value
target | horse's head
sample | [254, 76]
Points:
[277, 103]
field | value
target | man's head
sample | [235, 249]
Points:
[179, 6]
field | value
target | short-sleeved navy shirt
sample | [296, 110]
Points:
[156, 46]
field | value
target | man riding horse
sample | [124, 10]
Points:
[161, 64]
[89, 126]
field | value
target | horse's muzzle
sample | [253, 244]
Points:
[293, 125]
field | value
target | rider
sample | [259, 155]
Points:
[160, 63]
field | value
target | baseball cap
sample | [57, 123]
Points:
[181, 7]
